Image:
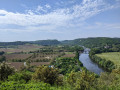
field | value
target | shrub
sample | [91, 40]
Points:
[20, 77]
[46, 74]
[5, 71]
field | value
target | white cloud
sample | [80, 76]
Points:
[64, 17]
[102, 26]
[40, 8]
[48, 6]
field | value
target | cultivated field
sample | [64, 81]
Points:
[112, 56]
[69, 54]
[18, 65]
[21, 48]
[34, 54]
[10, 57]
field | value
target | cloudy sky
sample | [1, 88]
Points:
[27, 20]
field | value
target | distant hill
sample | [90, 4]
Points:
[46, 42]
[87, 42]
[39, 42]
[13, 43]
[92, 42]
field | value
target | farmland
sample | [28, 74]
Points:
[21, 48]
[112, 56]
[69, 54]
[34, 54]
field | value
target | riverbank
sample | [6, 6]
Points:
[89, 64]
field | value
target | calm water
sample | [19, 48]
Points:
[91, 66]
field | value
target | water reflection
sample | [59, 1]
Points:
[91, 66]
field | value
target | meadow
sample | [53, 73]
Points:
[112, 56]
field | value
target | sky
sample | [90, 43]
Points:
[30, 20]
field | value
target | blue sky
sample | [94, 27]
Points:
[27, 20]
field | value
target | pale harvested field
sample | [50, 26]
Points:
[21, 48]
[40, 63]
[16, 65]
[16, 56]
[69, 54]
[112, 56]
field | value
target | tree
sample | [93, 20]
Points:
[5, 71]
[83, 80]
[2, 58]
[20, 77]
[46, 74]
[1, 53]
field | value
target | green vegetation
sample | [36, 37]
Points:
[47, 75]
[48, 78]
[106, 64]
[39, 42]
[64, 71]
[87, 42]
[1, 53]
[93, 42]
[66, 65]
[112, 56]
[5, 71]
[2, 58]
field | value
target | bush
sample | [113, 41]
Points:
[20, 77]
[5, 71]
[12, 85]
[46, 74]
[105, 64]
[2, 58]
[81, 80]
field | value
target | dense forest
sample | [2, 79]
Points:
[93, 42]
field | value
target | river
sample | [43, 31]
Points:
[91, 66]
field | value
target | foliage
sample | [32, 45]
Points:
[72, 48]
[66, 73]
[112, 56]
[81, 80]
[20, 77]
[5, 71]
[2, 58]
[46, 42]
[106, 64]
[2, 52]
[47, 75]
[109, 81]
[12, 85]
[93, 42]
[66, 65]
[77, 59]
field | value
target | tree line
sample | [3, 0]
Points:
[105, 64]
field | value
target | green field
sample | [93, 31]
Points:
[112, 56]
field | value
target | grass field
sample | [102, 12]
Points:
[112, 56]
